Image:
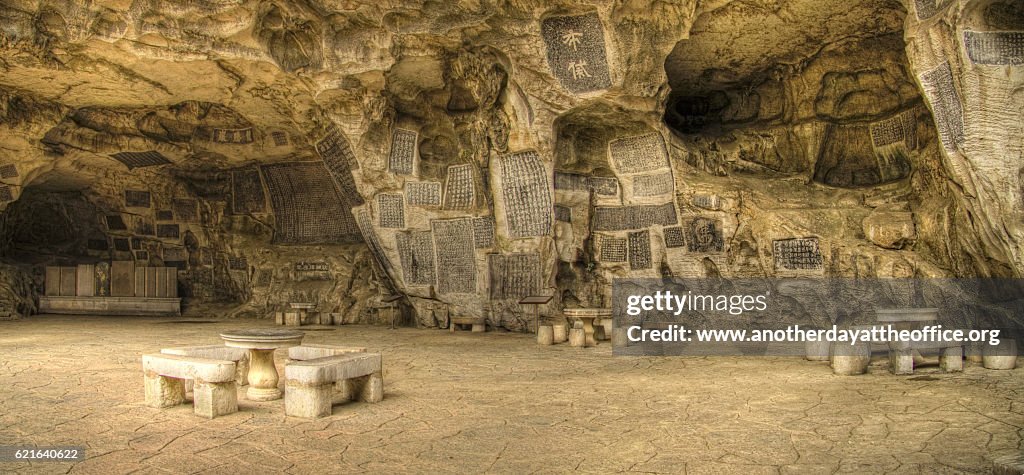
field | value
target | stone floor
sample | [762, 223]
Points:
[497, 402]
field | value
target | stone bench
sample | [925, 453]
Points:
[310, 384]
[215, 388]
[1008, 465]
[216, 352]
[310, 351]
[478, 324]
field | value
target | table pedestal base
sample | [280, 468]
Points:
[262, 376]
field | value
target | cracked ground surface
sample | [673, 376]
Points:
[497, 402]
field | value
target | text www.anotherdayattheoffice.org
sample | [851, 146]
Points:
[793, 334]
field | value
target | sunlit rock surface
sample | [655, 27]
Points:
[467, 154]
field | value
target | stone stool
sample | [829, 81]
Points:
[849, 360]
[545, 335]
[818, 350]
[560, 332]
[577, 337]
[1001, 356]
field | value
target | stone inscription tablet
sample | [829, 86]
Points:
[797, 254]
[136, 199]
[653, 185]
[514, 276]
[898, 129]
[459, 190]
[122, 244]
[134, 160]
[416, 253]
[423, 193]
[402, 159]
[704, 235]
[706, 201]
[116, 223]
[233, 136]
[938, 84]
[8, 171]
[622, 218]
[603, 186]
[674, 237]
[307, 206]
[637, 154]
[929, 8]
[483, 232]
[613, 249]
[186, 210]
[576, 52]
[391, 210]
[640, 250]
[280, 138]
[995, 47]
[527, 195]
[563, 214]
[369, 234]
[453, 240]
[339, 158]
[247, 192]
[168, 231]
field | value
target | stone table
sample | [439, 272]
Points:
[587, 316]
[261, 344]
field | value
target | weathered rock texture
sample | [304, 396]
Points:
[467, 154]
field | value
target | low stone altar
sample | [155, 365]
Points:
[587, 316]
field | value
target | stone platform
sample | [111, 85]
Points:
[496, 402]
[143, 306]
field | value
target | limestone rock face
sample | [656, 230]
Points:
[890, 229]
[464, 155]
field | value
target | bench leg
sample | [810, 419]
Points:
[952, 359]
[279, 318]
[479, 328]
[162, 391]
[342, 391]
[242, 371]
[902, 361]
[368, 388]
[308, 401]
[215, 399]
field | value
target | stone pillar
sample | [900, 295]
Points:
[308, 400]
[162, 391]
[262, 376]
[214, 399]
[952, 359]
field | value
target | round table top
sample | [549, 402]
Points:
[587, 312]
[262, 338]
[907, 314]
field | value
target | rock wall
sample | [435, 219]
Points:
[966, 57]
[466, 155]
